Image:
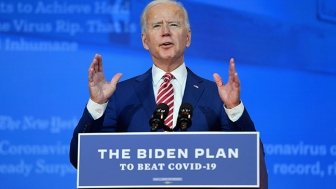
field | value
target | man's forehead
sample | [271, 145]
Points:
[160, 19]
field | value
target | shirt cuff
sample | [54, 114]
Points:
[96, 110]
[236, 112]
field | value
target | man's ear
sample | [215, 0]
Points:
[144, 41]
[188, 42]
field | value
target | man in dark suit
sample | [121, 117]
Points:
[128, 105]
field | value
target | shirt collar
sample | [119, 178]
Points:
[180, 74]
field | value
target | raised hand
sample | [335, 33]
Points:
[100, 89]
[229, 92]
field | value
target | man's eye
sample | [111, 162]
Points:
[174, 25]
[156, 25]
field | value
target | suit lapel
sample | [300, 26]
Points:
[144, 90]
[194, 89]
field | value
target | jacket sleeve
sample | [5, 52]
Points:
[244, 123]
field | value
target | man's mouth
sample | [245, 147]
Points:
[166, 44]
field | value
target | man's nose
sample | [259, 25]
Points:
[165, 30]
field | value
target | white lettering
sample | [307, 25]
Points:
[32, 27]
[219, 153]
[150, 167]
[184, 166]
[61, 8]
[22, 168]
[102, 153]
[169, 153]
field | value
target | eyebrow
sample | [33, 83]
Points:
[169, 22]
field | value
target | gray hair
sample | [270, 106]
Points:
[155, 2]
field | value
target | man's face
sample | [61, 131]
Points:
[166, 35]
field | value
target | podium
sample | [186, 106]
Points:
[168, 159]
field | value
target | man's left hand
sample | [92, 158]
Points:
[229, 92]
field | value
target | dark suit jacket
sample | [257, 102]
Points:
[133, 103]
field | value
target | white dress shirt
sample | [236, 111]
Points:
[179, 82]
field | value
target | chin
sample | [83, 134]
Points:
[168, 56]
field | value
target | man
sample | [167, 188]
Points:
[127, 106]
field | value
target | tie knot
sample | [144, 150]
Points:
[167, 77]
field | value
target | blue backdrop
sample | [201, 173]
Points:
[284, 52]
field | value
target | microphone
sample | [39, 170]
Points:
[184, 117]
[158, 117]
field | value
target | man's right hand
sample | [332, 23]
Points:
[100, 89]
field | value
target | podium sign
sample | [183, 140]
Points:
[168, 159]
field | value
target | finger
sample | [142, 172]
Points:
[99, 59]
[232, 69]
[233, 75]
[116, 79]
[91, 75]
[91, 70]
[236, 80]
[218, 79]
[96, 62]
